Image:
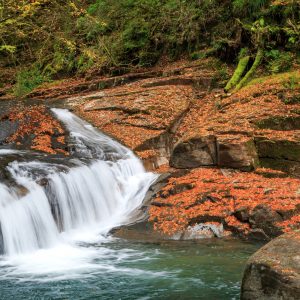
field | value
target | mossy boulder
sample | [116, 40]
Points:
[280, 123]
[287, 166]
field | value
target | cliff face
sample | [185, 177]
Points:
[240, 152]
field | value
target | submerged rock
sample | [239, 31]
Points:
[273, 272]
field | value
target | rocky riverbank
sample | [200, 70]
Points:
[239, 154]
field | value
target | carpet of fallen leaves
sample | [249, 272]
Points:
[237, 115]
[139, 110]
[143, 113]
[208, 194]
[36, 121]
[134, 114]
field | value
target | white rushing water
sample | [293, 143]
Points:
[46, 223]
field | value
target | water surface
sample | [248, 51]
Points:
[119, 269]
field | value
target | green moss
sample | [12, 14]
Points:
[282, 78]
[251, 72]
[280, 123]
[278, 149]
[238, 73]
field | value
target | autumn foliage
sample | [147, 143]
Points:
[208, 194]
[36, 121]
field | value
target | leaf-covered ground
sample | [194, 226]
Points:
[37, 129]
[241, 201]
[241, 114]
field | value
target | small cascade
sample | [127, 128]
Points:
[100, 188]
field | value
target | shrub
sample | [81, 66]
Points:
[27, 80]
[278, 61]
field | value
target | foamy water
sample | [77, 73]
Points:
[51, 229]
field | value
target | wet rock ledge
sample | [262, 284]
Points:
[273, 272]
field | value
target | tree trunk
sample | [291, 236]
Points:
[250, 73]
[238, 73]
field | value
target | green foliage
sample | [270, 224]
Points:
[222, 74]
[8, 48]
[249, 7]
[143, 30]
[292, 83]
[72, 36]
[27, 80]
[279, 61]
[198, 55]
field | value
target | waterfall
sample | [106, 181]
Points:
[100, 187]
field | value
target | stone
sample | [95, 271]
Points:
[287, 166]
[263, 217]
[273, 272]
[181, 187]
[257, 234]
[195, 234]
[7, 129]
[194, 153]
[242, 214]
[202, 231]
[280, 123]
[237, 153]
